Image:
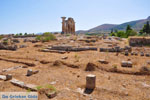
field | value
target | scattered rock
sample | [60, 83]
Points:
[135, 53]
[16, 41]
[35, 72]
[148, 62]
[126, 53]
[64, 57]
[23, 46]
[126, 64]
[142, 54]
[38, 45]
[51, 94]
[57, 63]
[128, 48]
[52, 83]
[110, 45]
[132, 53]
[145, 85]
[145, 69]
[103, 61]
[8, 47]
[147, 55]
[44, 62]
[2, 77]
[29, 72]
[90, 67]
[8, 77]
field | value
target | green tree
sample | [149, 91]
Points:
[20, 33]
[17, 34]
[25, 34]
[128, 28]
[146, 28]
[116, 30]
[130, 31]
[112, 30]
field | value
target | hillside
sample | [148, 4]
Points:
[136, 25]
[105, 27]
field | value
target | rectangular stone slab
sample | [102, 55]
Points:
[23, 85]
[2, 77]
[12, 68]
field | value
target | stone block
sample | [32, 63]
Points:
[126, 64]
[142, 53]
[8, 77]
[147, 55]
[29, 72]
[126, 53]
[103, 61]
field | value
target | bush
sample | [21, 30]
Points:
[131, 33]
[121, 34]
[46, 37]
[1, 37]
[112, 34]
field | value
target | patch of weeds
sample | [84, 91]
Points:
[76, 57]
[52, 88]
[115, 67]
[46, 37]
[29, 90]
[39, 87]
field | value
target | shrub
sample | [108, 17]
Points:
[121, 34]
[38, 37]
[46, 37]
[52, 88]
[112, 34]
[1, 37]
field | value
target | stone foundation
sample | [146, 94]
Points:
[139, 41]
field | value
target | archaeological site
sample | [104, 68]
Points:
[45, 54]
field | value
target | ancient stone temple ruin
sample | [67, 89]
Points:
[68, 26]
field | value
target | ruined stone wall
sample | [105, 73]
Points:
[139, 41]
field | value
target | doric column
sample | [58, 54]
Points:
[63, 25]
[73, 26]
[66, 23]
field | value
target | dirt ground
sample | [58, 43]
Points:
[68, 81]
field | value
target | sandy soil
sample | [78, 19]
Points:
[67, 80]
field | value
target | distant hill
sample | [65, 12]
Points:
[137, 25]
[103, 27]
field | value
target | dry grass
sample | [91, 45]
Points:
[111, 78]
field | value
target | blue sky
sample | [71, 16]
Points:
[44, 15]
